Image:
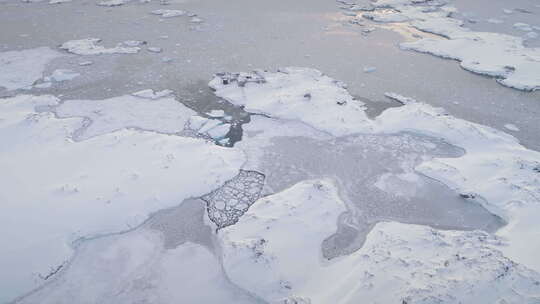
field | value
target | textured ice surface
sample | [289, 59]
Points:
[136, 268]
[89, 46]
[274, 251]
[228, 203]
[376, 177]
[20, 69]
[103, 184]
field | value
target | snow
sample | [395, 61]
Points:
[89, 46]
[300, 94]
[21, 69]
[129, 111]
[57, 190]
[274, 251]
[494, 54]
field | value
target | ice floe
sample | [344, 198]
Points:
[89, 46]
[21, 69]
[60, 190]
[301, 94]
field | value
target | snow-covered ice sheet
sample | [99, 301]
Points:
[274, 251]
[302, 94]
[20, 69]
[89, 46]
[56, 190]
[144, 110]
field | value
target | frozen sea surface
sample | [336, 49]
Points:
[113, 153]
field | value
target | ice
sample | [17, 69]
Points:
[58, 1]
[137, 111]
[21, 69]
[111, 3]
[64, 75]
[511, 127]
[107, 183]
[216, 113]
[167, 13]
[89, 46]
[369, 69]
[155, 49]
[228, 203]
[218, 132]
[274, 251]
[400, 98]
[86, 63]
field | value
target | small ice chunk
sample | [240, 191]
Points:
[216, 113]
[168, 13]
[86, 63]
[495, 21]
[531, 35]
[63, 75]
[58, 1]
[400, 98]
[166, 59]
[133, 43]
[523, 26]
[369, 69]
[155, 49]
[508, 11]
[43, 85]
[111, 3]
[196, 122]
[511, 127]
[196, 20]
